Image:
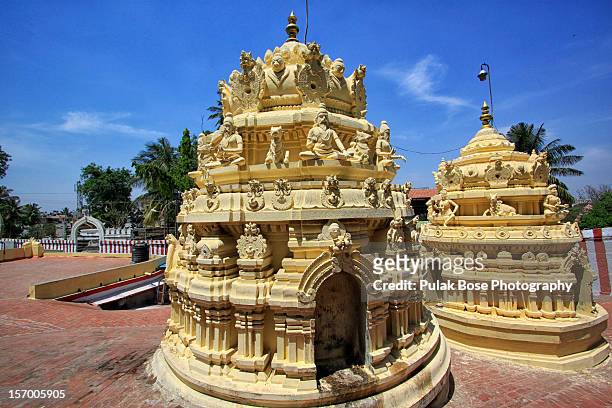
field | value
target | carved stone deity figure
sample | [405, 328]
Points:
[415, 230]
[498, 208]
[358, 91]
[385, 153]
[279, 81]
[395, 235]
[369, 191]
[447, 207]
[553, 208]
[337, 83]
[190, 246]
[386, 194]
[206, 151]
[432, 208]
[341, 240]
[540, 169]
[229, 144]
[359, 150]
[322, 141]
[276, 154]
[406, 188]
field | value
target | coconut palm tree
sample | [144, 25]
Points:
[153, 169]
[216, 112]
[527, 138]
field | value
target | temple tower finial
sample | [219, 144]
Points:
[292, 29]
[486, 117]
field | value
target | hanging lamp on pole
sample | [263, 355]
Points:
[483, 75]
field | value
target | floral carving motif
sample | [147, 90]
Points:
[331, 195]
[282, 199]
[189, 197]
[498, 174]
[312, 79]
[247, 85]
[251, 245]
[211, 191]
[255, 196]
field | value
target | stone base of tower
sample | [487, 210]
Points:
[563, 344]
[417, 378]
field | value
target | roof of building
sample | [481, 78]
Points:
[422, 192]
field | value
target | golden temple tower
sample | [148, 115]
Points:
[271, 277]
[495, 205]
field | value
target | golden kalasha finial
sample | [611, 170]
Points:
[486, 116]
[292, 29]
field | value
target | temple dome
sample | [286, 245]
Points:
[487, 139]
[293, 76]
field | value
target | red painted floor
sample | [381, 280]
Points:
[98, 356]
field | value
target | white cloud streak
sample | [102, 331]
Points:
[95, 123]
[421, 81]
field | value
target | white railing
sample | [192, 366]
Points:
[107, 246]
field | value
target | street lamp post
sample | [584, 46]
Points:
[483, 75]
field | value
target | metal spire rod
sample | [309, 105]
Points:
[306, 31]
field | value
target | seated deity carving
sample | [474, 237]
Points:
[206, 151]
[553, 208]
[225, 144]
[279, 81]
[359, 150]
[339, 96]
[385, 153]
[322, 141]
[498, 208]
[276, 154]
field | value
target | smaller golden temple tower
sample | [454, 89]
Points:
[532, 301]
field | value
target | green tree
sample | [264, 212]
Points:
[153, 168]
[66, 216]
[186, 161]
[5, 158]
[107, 193]
[29, 214]
[9, 210]
[216, 112]
[600, 215]
[527, 139]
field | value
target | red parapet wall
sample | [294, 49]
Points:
[599, 237]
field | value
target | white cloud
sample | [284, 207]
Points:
[421, 81]
[96, 122]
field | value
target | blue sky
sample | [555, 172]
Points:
[85, 82]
